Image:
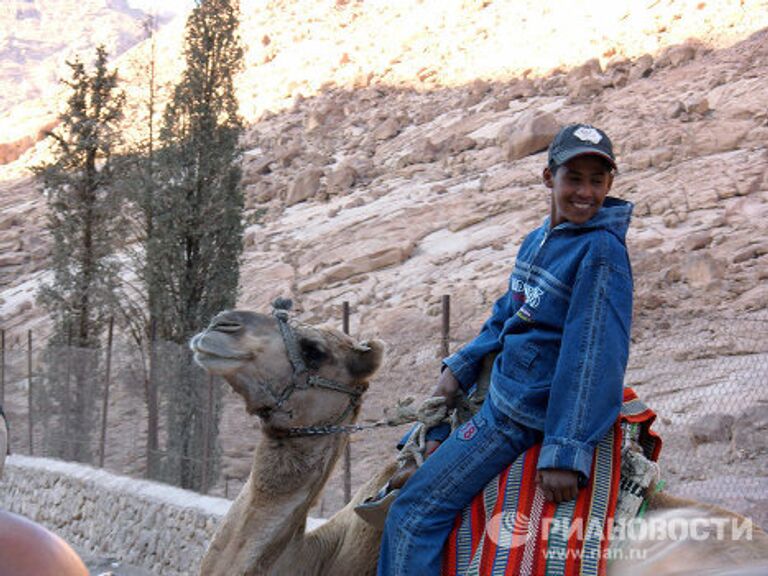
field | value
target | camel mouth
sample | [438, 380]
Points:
[207, 348]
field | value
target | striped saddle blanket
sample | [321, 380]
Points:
[510, 529]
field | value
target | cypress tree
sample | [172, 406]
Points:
[83, 219]
[193, 255]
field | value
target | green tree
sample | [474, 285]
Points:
[138, 296]
[83, 219]
[193, 255]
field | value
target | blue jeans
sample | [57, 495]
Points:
[421, 518]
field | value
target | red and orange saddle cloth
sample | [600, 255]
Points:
[511, 530]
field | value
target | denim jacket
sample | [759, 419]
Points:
[562, 332]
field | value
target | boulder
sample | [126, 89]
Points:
[305, 186]
[341, 179]
[530, 134]
[285, 155]
[424, 152]
[585, 88]
[712, 428]
[589, 69]
[387, 129]
[700, 270]
[750, 429]
[697, 240]
[641, 68]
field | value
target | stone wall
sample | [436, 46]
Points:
[162, 529]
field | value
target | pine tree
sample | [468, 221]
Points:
[193, 257]
[83, 219]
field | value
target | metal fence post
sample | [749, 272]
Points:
[153, 444]
[30, 417]
[68, 450]
[348, 447]
[446, 341]
[2, 367]
[105, 402]
[207, 428]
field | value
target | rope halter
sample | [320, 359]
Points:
[302, 378]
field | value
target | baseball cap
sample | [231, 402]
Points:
[579, 139]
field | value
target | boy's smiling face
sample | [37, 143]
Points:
[579, 188]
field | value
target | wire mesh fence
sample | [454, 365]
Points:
[707, 379]
[55, 399]
[709, 385]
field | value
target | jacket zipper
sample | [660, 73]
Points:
[536, 254]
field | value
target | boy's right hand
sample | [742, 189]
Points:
[447, 387]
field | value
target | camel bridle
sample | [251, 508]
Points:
[303, 378]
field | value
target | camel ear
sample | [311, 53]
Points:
[365, 358]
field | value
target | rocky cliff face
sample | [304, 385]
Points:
[37, 38]
[393, 156]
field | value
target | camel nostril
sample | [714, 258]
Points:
[225, 325]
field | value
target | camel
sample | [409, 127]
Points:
[271, 362]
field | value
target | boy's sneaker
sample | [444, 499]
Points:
[374, 509]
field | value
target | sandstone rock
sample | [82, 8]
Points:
[458, 143]
[361, 264]
[555, 84]
[9, 222]
[287, 154]
[712, 137]
[697, 240]
[662, 156]
[584, 81]
[712, 428]
[325, 113]
[259, 193]
[641, 68]
[260, 166]
[530, 134]
[589, 69]
[13, 259]
[521, 88]
[341, 180]
[585, 88]
[424, 152]
[387, 129]
[700, 270]
[305, 186]
[677, 55]
[750, 429]
[676, 109]
[639, 160]
[478, 89]
[697, 105]
[754, 251]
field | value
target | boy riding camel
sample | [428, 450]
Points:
[561, 334]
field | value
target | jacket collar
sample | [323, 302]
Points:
[614, 216]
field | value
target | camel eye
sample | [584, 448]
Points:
[313, 353]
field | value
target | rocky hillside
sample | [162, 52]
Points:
[394, 156]
[37, 38]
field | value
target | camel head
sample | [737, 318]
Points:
[307, 377]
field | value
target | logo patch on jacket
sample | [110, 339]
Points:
[525, 314]
[532, 294]
[467, 431]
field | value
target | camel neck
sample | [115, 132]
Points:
[271, 510]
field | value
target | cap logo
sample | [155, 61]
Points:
[588, 134]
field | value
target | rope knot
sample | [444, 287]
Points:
[280, 307]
